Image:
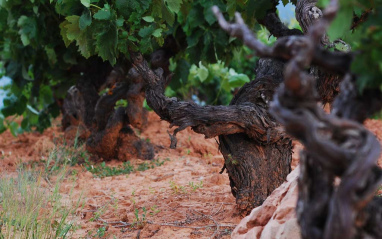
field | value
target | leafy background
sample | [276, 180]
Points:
[44, 40]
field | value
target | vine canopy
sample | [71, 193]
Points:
[44, 43]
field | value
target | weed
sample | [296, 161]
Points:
[177, 189]
[102, 170]
[100, 233]
[101, 210]
[154, 210]
[64, 155]
[195, 186]
[144, 166]
[132, 198]
[139, 221]
[30, 211]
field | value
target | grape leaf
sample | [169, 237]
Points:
[146, 31]
[157, 8]
[148, 18]
[14, 128]
[83, 39]
[103, 14]
[106, 43]
[168, 15]
[14, 105]
[64, 32]
[85, 20]
[52, 57]
[86, 3]
[72, 27]
[341, 23]
[173, 5]
[157, 32]
[237, 80]
[202, 72]
[120, 22]
[28, 29]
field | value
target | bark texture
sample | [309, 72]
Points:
[338, 174]
[257, 153]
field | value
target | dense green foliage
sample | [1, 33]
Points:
[43, 40]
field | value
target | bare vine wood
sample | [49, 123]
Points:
[334, 147]
[257, 152]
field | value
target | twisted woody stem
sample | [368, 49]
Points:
[334, 147]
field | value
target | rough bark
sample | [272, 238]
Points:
[257, 153]
[339, 175]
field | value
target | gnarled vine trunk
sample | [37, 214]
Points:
[335, 148]
[257, 153]
[107, 131]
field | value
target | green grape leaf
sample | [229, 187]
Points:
[28, 29]
[194, 20]
[157, 32]
[146, 31]
[14, 128]
[148, 18]
[202, 72]
[341, 23]
[173, 5]
[145, 45]
[14, 105]
[157, 8]
[106, 43]
[85, 20]
[194, 38]
[207, 12]
[86, 3]
[52, 57]
[72, 27]
[168, 15]
[120, 22]
[84, 39]
[64, 32]
[103, 14]
[237, 80]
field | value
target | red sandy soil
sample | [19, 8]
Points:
[164, 190]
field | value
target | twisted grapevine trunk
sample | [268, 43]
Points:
[257, 153]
